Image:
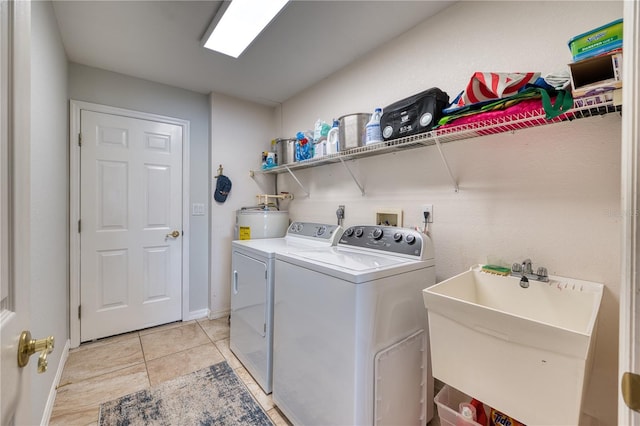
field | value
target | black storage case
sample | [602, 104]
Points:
[415, 114]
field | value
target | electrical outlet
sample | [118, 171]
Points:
[426, 208]
[340, 214]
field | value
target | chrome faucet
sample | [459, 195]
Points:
[525, 271]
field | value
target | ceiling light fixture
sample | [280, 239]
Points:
[238, 23]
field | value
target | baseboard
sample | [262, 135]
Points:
[194, 315]
[48, 409]
[219, 314]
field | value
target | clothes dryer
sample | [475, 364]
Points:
[350, 330]
[253, 279]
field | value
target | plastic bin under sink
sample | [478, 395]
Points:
[448, 402]
[524, 351]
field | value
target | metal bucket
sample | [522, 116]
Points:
[352, 130]
[286, 150]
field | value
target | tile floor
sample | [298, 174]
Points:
[107, 369]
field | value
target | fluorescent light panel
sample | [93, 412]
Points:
[241, 23]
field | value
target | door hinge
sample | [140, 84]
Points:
[265, 328]
[79, 139]
[79, 226]
[79, 311]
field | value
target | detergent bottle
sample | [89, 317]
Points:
[467, 414]
[333, 142]
[372, 130]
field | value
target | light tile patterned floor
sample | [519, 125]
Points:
[107, 369]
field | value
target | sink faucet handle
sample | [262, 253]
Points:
[542, 272]
[516, 267]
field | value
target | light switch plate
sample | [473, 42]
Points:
[197, 209]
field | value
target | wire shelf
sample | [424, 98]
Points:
[583, 107]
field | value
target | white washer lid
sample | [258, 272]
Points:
[351, 265]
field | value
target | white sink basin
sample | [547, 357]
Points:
[524, 351]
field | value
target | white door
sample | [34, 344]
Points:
[131, 224]
[14, 209]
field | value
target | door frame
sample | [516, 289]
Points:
[74, 203]
[629, 338]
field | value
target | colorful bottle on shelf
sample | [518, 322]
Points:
[304, 146]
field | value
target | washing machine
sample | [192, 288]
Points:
[253, 278]
[351, 344]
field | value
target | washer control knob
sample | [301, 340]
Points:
[377, 233]
[397, 237]
[410, 239]
[359, 232]
[349, 232]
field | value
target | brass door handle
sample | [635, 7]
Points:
[631, 390]
[28, 346]
[174, 234]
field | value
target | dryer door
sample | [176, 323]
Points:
[249, 293]
[250, 336]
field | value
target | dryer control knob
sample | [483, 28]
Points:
[377, 233]
[321, 231]
[397, 237]
[410, 239]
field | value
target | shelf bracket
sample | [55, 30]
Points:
[352, 176]
[446, 164]
[297, 181]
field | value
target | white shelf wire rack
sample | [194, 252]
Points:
[583, 107]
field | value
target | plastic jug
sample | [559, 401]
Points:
[333, 138]
[373, 132]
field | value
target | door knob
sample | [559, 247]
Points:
[174, 234]
[28, 346]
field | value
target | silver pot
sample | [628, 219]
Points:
[286, 149]
[352, 131]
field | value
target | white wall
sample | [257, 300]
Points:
[49, 197]
[551, 194]
[118, 90]
[240, 131]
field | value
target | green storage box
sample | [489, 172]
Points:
[595, 42]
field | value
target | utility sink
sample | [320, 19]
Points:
[524, 351]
